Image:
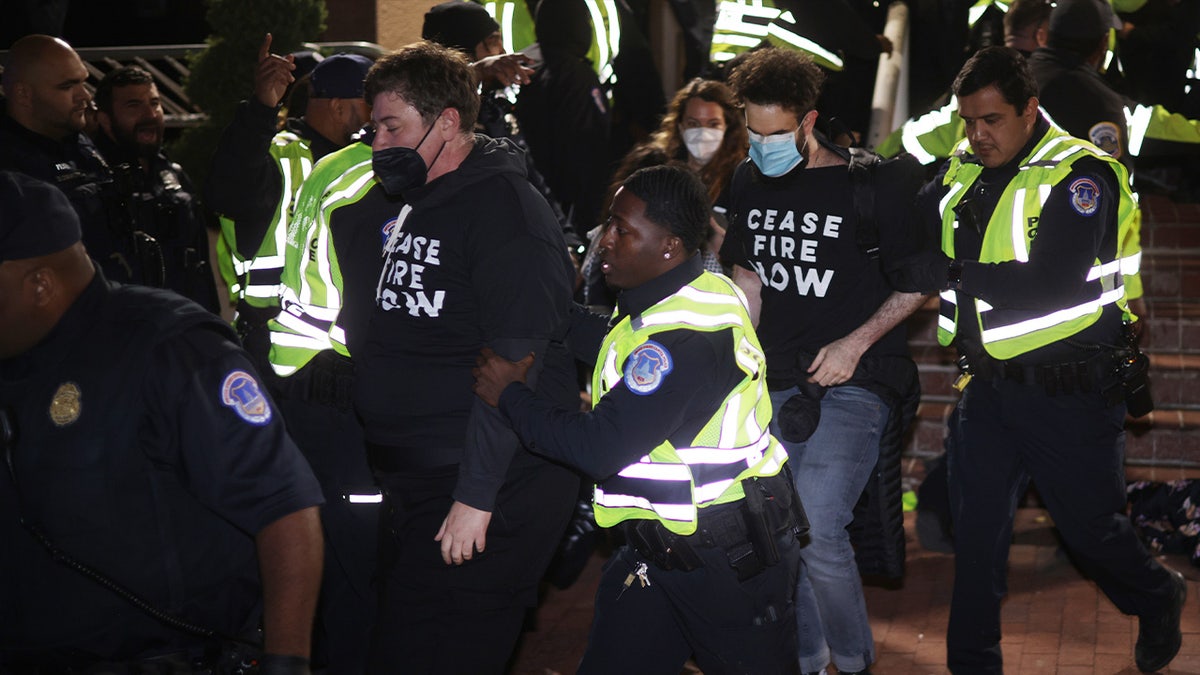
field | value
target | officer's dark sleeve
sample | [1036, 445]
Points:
[244, 183]
[918, 265]
[624, 425]
[209, 418]
[1068, 241]
[897, 182]
[587, 331]
[536, 270]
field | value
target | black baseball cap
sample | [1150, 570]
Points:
[1082, 19]
[340, 76]
[36, 218]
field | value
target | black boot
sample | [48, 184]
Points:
[1159, 637]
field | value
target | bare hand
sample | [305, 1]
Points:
[836, 362]
[504, 69]
[885, 44]
[494, 372]
[463, 532]
[273, 75]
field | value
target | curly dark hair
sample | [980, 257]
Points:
[675, 200]
[431, 78]
[782, 77]
[717, 173]
[121, 77]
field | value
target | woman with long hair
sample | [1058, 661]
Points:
[702, 130]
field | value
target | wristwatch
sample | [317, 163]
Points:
[954, 275]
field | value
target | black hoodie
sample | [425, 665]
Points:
[478, 260]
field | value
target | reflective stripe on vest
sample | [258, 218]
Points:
[293, 155]
[1009, 332]
[671, 484]
[742, 25]
[311, 283]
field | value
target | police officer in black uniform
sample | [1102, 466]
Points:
[42, 135]
[711, 517]
[1034, 302]
[159, 197]
[152, 507]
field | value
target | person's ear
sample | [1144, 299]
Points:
[43, 284]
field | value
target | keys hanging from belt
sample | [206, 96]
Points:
[964, 374]
[641, 573]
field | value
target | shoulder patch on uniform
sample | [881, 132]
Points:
[647, 367]
[1107, 137]
[241, 392]
[1085, 196]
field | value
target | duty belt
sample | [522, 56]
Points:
[746, 530]
[1064, 378]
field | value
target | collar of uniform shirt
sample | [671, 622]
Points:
[634, 301]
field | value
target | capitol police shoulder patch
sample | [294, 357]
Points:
[1085, 196]
[242, 392]
[647, 367]
[1107, 137]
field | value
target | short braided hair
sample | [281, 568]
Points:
[675, 199]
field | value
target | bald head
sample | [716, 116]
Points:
[44, 83]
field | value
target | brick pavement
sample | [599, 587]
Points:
[1055, 622]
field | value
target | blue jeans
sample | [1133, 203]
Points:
[830, 469]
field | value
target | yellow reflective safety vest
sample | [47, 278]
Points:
[256, 281]
[1009, 332]
[742, 25]
[671, 484]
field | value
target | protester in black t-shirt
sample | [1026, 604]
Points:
[828, 316]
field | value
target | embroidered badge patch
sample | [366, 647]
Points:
[1085, 196]
[241, 392]
[1107, 137]
[647, 367]
[66, 404]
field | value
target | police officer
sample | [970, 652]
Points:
[41, 135]
[331, 267]
[159, 196]
[1031, 224]
[151, 505]
[257, 172]
[677, 441]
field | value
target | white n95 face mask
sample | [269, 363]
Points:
[702, 142]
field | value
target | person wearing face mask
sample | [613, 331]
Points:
[472, 259]
[702, 130]
[811, 260]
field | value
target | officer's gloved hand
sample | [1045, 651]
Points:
[923, 272]
[278, 664]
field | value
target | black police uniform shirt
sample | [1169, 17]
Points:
[76, 167]
[245, 184]
[625, 425]
[1079, 100]
[798, 233]
[1069, 238]
[162, 203]
[147, 449]
[474, 257]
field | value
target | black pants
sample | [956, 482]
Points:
[332, 441]
[730, 626]
[1073, 447]
[463, 619]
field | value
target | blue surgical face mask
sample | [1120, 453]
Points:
[776, 154]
